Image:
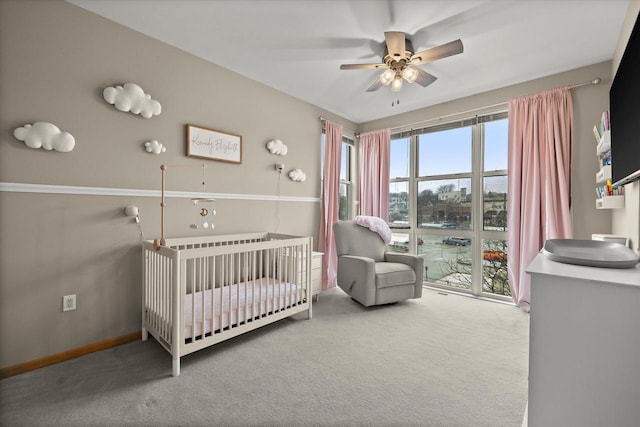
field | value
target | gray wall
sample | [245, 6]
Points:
[588, 104]
[55, 61]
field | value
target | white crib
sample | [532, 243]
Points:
[203, 290]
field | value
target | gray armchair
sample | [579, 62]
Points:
[370, 274]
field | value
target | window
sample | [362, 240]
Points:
[445, 152]
[450, 208]
[346, 188]
[399, 173]
[346, 172]
[445, 203]
[494, 208]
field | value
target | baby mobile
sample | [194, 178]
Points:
[205, 209]
[202, 206]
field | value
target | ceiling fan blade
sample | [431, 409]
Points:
[448, 49]
[374, 86]
[424, 79]
[362, 66]
[395, 44]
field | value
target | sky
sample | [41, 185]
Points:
[449, 152]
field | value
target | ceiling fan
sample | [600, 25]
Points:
[400, 62]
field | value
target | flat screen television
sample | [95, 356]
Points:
[624, 109]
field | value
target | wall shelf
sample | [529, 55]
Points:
[604, 175]
[610, 202]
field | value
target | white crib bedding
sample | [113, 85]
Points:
[270, 294]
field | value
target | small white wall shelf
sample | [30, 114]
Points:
[610, 202]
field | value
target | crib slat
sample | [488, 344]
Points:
[167, 296]
[212, 276]
[159, 297]
[237, 280]
[228, 284]
[261, 273]
[158, 300]
[245, 279]
[270, 281]
[193, 299]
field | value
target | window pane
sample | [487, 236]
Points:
[445, 204]
[399, 242]
[494, 267]
[399, 158]
[343, 205]
[344, 162]
[399, 204]
[445, 152]
[495, 145]
[494, 210]
[447, 261]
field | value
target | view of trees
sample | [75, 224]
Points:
[494, 269]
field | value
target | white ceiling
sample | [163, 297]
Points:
[297, 46]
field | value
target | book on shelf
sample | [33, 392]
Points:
[607, 190]
[605, 158]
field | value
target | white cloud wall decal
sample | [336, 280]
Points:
[297, 175]
[154, 147]
[45, 135]
[277, 147]
[131, 98]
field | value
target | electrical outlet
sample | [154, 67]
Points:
[68, 302]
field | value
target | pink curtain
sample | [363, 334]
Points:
[374, 173]
[540, 132]
[330, 202]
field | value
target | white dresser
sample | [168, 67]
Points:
[584, 345]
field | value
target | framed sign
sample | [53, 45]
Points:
[213, 144]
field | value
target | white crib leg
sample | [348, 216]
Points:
[309, 314]
[176, 367]
[145, 334]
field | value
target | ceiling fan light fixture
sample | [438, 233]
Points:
[410, 73]
[387, 76]
[396, 84]
[401, 62]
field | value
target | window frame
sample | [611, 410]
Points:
[477, 174]
[350, 171]
[348, 182]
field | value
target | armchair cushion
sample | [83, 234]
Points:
[393, 274]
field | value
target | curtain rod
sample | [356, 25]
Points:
[355, 132]
[595, 81]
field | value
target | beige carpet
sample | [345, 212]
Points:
[443, 360]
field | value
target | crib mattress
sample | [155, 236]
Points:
[262, 296]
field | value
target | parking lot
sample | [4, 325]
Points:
[440, 259]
